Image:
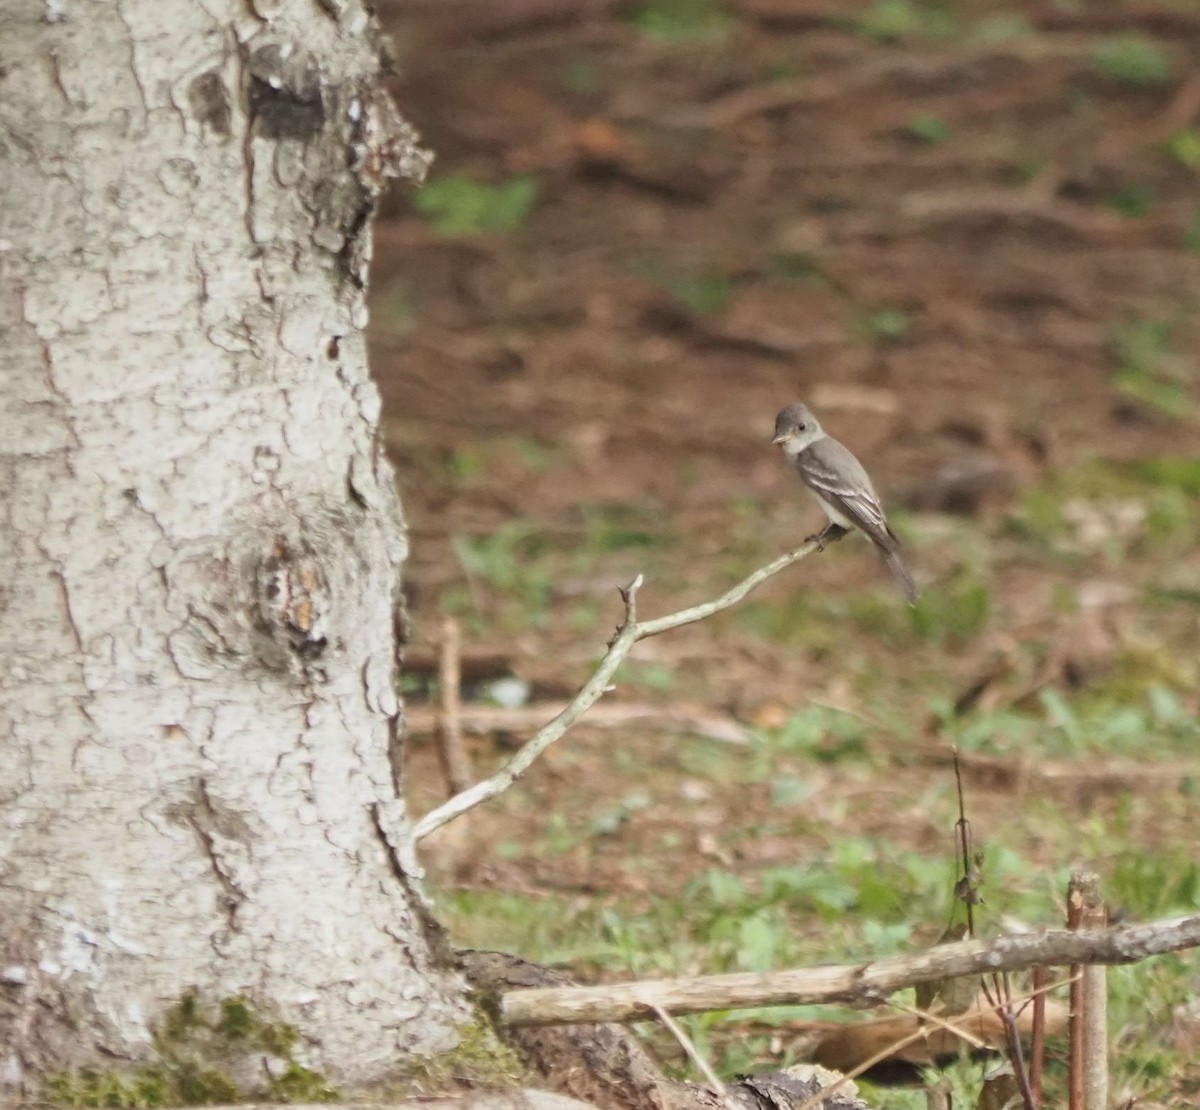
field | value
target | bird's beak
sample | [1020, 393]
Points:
[781, 438]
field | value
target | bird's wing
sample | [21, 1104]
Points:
[832, 472]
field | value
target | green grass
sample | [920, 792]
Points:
[1146, 367]
[954, 612]
[890, 21]
[928, 129]
[1120, 719]
[844, 896]
[510, 574]
[683, 21]
[1134, 201]
[884, 325]
[795, 268]
[458, 206]
[509, 580]
[816, 732]
[1159, 499]
[1002, 27]
[701, 291]
[1183, 148]
[1132, 59]
[1191, 234]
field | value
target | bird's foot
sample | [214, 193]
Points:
[829, 534]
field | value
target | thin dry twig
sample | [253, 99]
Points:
[999, 992]
[1037, 1037]
[862, 983]
[630, 631]
[937, 1019]
[685, 1042]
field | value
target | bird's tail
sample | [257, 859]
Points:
[900, 572]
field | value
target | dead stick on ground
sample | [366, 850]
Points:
[630, 631]
[868, 982]
[456, 764]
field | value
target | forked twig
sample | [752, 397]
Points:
[630, 631]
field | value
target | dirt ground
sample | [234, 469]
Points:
[968, 234]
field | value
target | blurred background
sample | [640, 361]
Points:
[968, 235]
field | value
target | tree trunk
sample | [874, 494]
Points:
[199, 726]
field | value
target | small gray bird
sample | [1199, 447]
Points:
[842, 487]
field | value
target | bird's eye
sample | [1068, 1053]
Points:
[803, 426]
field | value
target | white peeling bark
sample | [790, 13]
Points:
[200, 540]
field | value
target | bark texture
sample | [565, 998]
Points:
[200, 539]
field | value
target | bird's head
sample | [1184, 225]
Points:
[795, 429]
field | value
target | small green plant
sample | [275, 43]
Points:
[683, 21]
[884, 325]
[510, 562]
[927, 129]
[794, 268]
[705, 293]
[1024, 172]
[1191, 234]
[1184, 147]
[824, 734]
[466, 463]
[893, 20]
[1146, 367]
[1003, 27]
[621, 528]
[1173, 472]
[1134, 201]
[459, 206]
[1132, 59]
[782, 69]
[535, 456]
[955, 613]
[609, 821]
[792, 620]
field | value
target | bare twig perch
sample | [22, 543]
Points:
[857, 983]
[628, 634]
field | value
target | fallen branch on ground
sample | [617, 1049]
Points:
[482, 719]
[863, 983]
